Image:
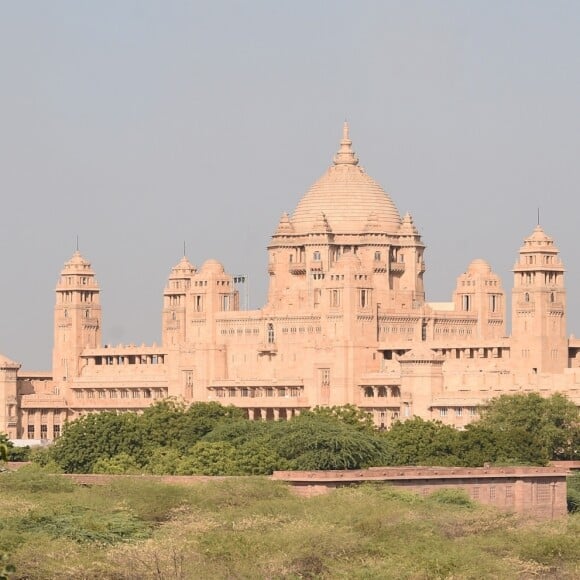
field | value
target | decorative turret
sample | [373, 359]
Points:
[174, 302]
[77, 317]
[539, 306]
[479, 294]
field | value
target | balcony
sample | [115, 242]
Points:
[297, 267]
[268, 348]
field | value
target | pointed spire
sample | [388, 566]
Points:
[345, 155]
[284, 225]
[321, 225]
[408, 226]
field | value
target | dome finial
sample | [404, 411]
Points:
[345, 155]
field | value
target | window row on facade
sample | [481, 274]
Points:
[383, 391]
[257, 392]
[130, 359]
[458, 411]
[122, 393]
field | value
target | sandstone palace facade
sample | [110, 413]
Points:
[346, 321]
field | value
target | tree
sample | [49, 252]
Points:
[314, 441]
[419, 442]
[529, 428]
[348, 414]
[206, 458]
[99, 436]
[120, 464]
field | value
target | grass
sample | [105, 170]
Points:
[255, 528]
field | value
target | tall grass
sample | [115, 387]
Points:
[255, 528]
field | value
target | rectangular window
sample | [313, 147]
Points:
[56, 431]
[324, 377]
[492, 492]
[443, 412]
[136, 394]
[364, 298]
[335, 298]
[466, 302]
[30, 431]
[458, 412]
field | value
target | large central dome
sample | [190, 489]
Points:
[348, 198]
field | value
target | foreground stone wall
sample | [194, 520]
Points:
[538, 492]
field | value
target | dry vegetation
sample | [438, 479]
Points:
[255, 528]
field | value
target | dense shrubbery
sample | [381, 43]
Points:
[255, 528]
[209, 439]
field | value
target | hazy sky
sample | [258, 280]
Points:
[140, 124]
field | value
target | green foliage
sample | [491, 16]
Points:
[456, 497]
[573, 492]
[34, 479]
[317, 442]
[85, 525]
[208, 458]
[99, 436]
[348, 414]
[121, 464]
[419, 442]
[530, 429]
[255, 528]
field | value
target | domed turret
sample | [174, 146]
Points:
[211, 267]
[347, 197]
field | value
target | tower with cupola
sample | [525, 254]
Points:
[175, 296]
[539, 307]
[77, 317]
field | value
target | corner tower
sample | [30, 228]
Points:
[539, 306]
[174, 303]
[77, 317]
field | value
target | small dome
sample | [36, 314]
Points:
[347, 197]
[212, 266]
[479, 266]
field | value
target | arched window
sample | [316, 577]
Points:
[526, 297]
[369, 392]
[316, 256]
[552, 298]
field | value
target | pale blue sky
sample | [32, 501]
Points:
[140, 124]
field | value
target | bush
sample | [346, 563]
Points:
[456, 497]
[573, 492]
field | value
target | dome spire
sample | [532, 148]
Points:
[345, 155]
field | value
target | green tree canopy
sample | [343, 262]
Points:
[529, 428]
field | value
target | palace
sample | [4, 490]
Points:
[346, 321]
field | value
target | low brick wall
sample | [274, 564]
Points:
[538, 492]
